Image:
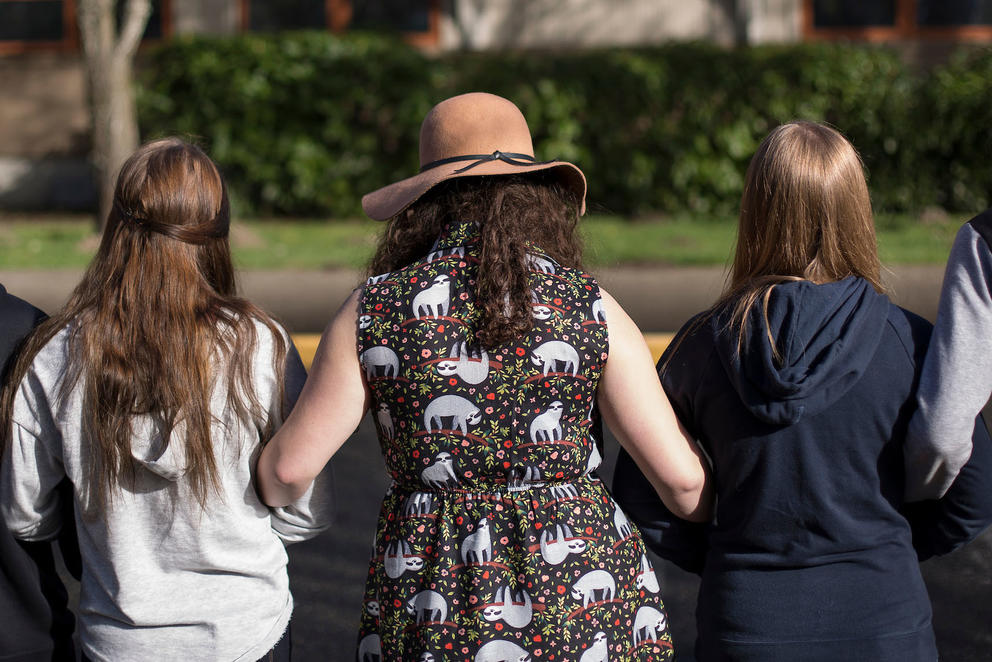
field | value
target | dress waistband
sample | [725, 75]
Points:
[507, 488]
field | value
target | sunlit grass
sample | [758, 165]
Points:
[69, 242]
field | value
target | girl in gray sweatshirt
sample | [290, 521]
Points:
[153, 391]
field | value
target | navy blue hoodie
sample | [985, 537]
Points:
[809, 556]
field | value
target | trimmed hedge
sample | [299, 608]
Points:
[305, 123]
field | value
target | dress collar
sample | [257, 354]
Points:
[457, 233]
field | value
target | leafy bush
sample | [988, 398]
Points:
[305, 123]
[301, 123]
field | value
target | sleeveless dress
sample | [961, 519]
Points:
[496, 540]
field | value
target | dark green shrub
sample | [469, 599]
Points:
[956, 127]
[301, 123]
[306, 123]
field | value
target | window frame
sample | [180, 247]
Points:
[905, 28]
[70, 32]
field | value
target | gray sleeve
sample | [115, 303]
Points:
[310, 514]
[29, 476]
[956, 380]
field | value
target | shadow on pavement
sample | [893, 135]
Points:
[327, 574]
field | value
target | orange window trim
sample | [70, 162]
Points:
[905, 28]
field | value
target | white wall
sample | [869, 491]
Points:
[492, 24]
[206, 16]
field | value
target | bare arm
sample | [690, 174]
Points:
[638, 412]
[331, 405]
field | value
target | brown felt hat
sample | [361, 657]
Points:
[467, 136]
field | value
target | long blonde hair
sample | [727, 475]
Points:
[154, 318]
[805, 215]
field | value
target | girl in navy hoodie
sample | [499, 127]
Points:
[798, 383]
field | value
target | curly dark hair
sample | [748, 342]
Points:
[514, 213]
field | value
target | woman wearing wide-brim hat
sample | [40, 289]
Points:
[487, 354]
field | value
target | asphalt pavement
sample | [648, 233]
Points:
[657, 298]
[328, 573]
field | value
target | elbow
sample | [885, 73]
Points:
[280, 483]
[292, 482]
[691, 498]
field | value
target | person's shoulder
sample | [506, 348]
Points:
[911, 330]
[265, 325]
[266, 331]
[982, 225]
[688, 354]
[698, 332]
[49, 364]
[17, 316]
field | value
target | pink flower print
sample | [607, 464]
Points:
[425, 353]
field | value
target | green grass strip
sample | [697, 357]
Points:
[69, 243]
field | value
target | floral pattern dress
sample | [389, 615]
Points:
[496, 540]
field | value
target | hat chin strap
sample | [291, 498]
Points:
[512, 158]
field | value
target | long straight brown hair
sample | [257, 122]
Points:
[805, 215]
[515, 214]
[155, 323]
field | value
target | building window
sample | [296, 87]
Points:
[47, 25]
[954, 12]
[398, 15]
[885, 20]
[416, 20]
[268, 16]
[853, 13]
[27, 25]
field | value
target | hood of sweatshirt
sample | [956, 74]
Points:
[150, 450]
[826, 335]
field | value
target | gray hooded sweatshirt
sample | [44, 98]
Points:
[956, 381]
[163, 578]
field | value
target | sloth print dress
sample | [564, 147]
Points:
[496, 540]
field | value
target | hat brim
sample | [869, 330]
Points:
[390, 200]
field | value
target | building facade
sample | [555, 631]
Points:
[44, 123]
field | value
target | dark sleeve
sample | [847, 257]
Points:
[68, 541]
[17, 318]
[670, 537]
[941, 526]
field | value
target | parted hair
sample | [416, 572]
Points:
[155, 324]
[805, 215]
[515, 214]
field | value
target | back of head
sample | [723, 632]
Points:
[805, 215]
[515, 214]
[171, 217]
[477, 165]
[805, 212]
[155, 317]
